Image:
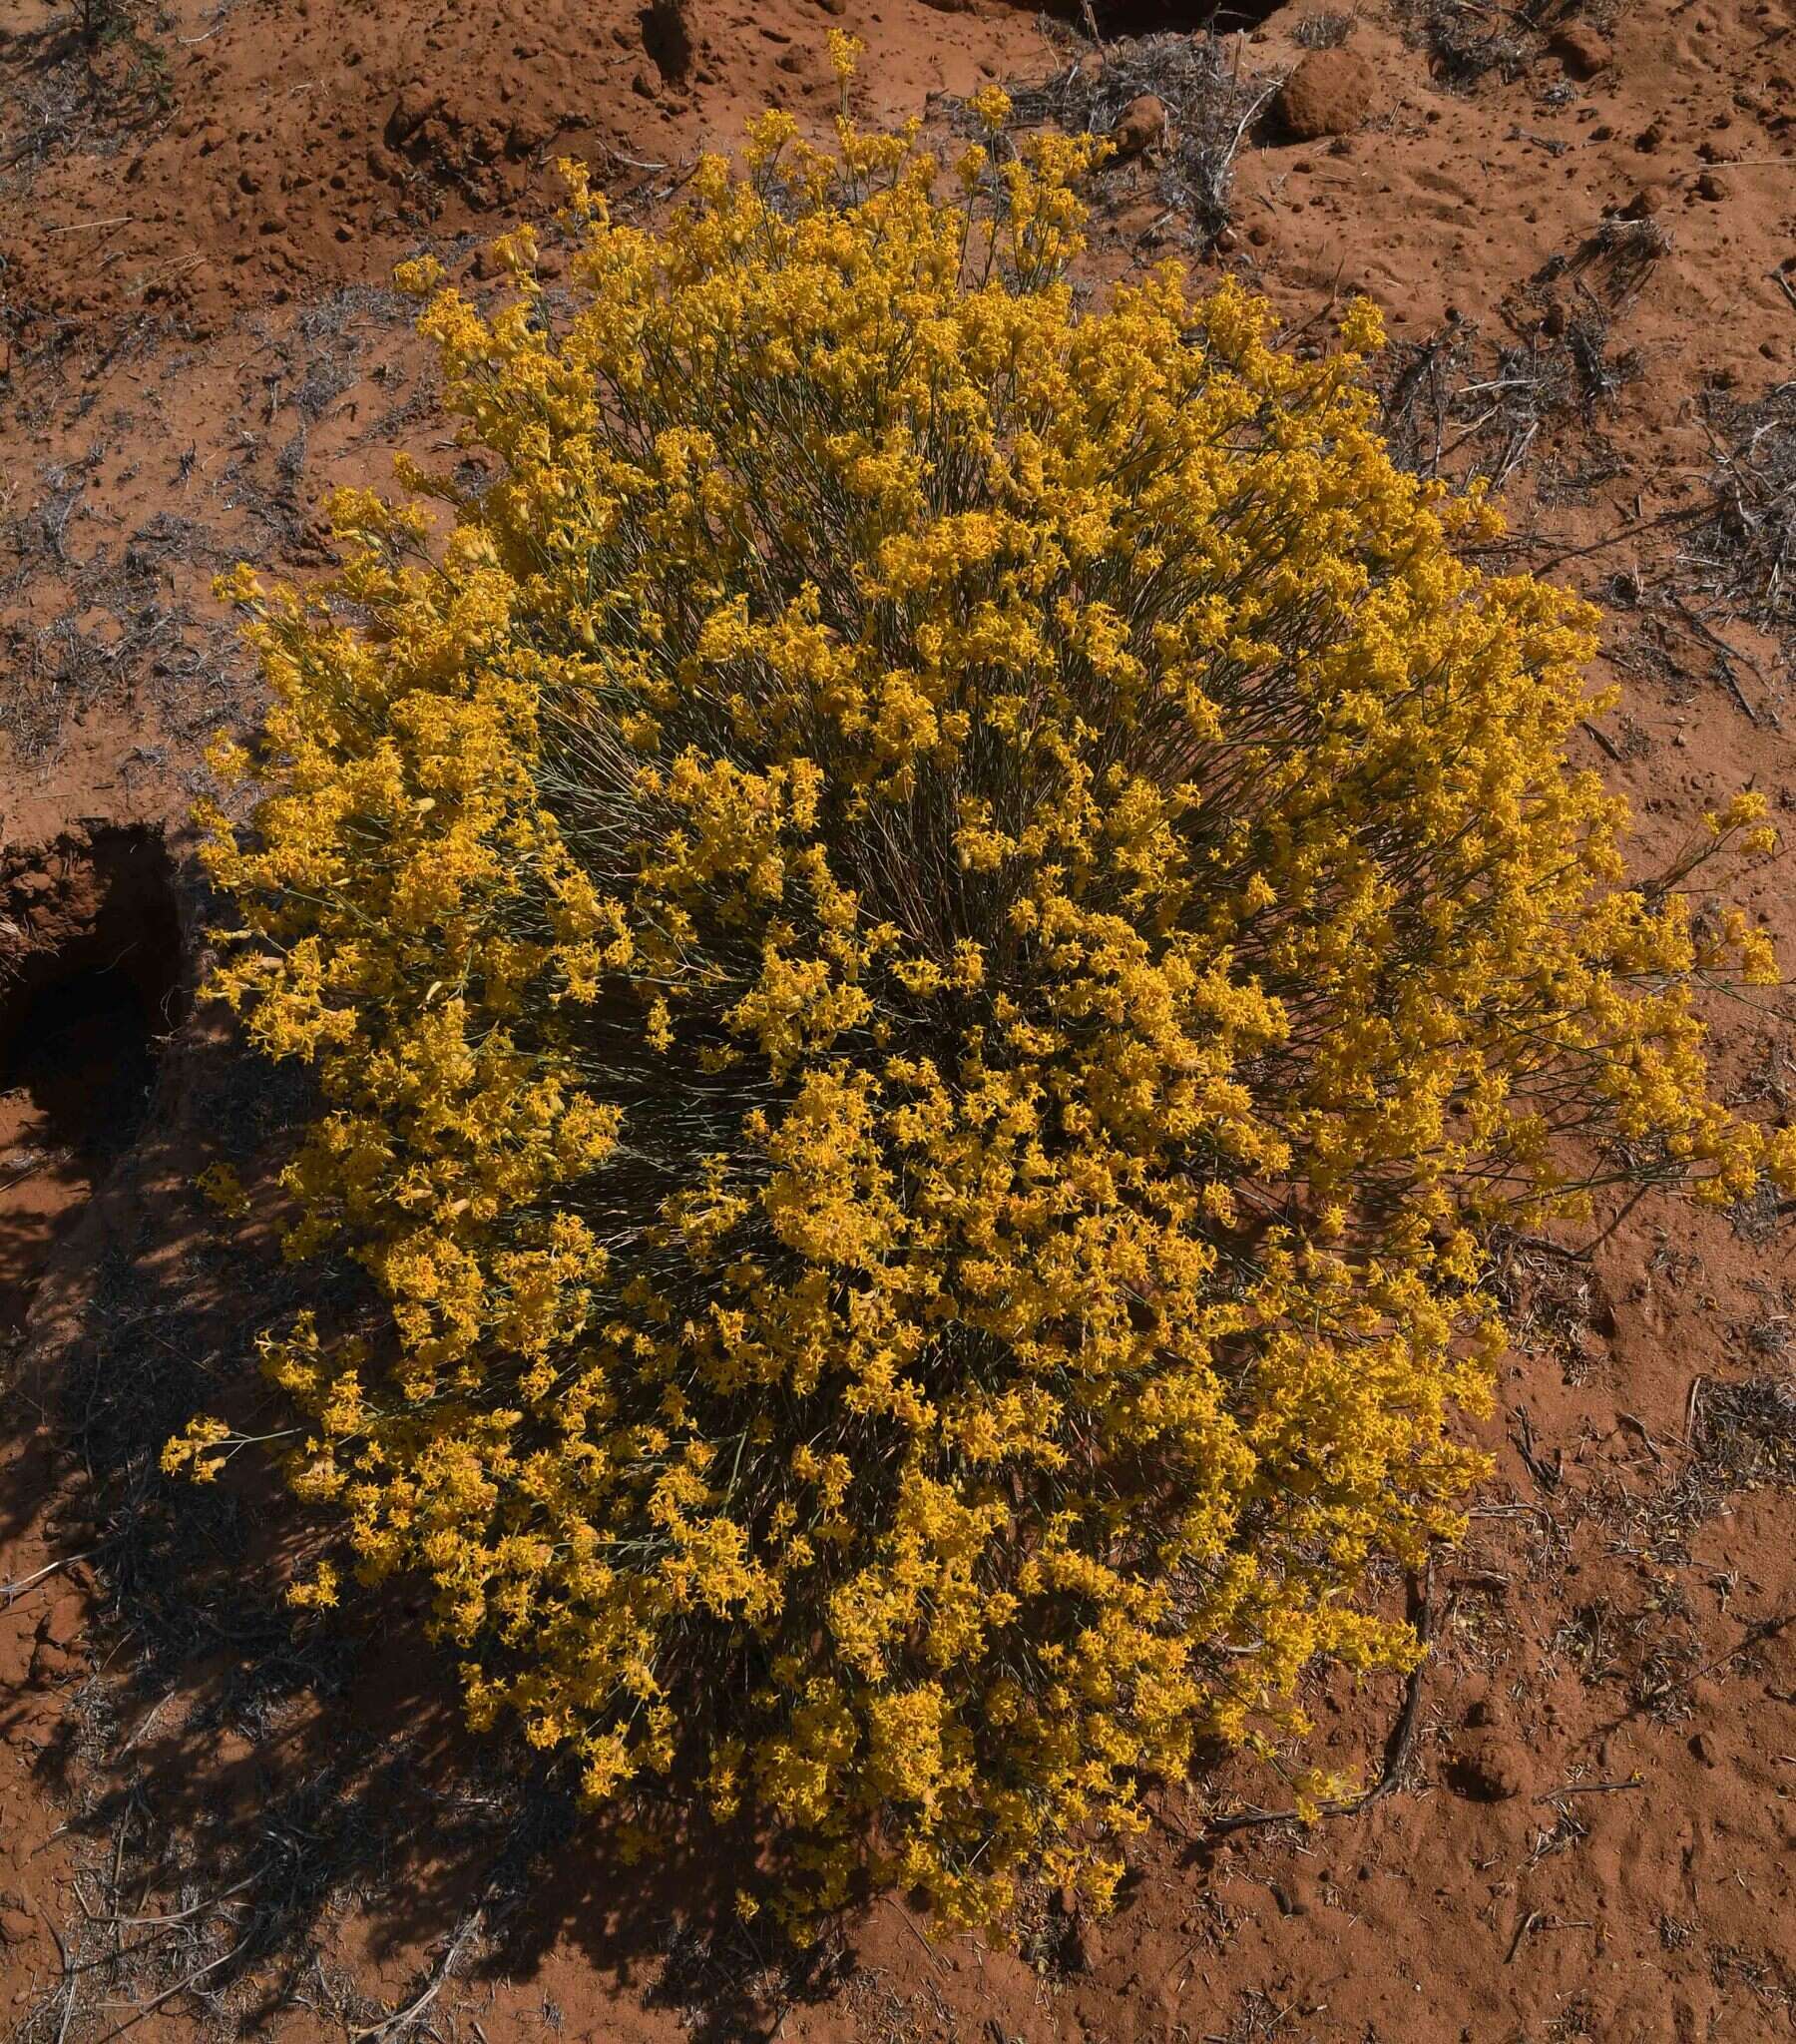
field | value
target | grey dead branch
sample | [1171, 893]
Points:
[1741, 555]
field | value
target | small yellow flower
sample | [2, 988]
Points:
[219, 1186]
[992, 104]
[316, 1592]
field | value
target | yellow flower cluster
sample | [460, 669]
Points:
[929, 940]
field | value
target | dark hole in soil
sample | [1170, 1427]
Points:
[86, 1006]
[91, 983]
[82, 1051]
[667, 38]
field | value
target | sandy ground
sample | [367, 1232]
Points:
[1583, 234]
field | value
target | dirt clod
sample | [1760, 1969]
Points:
[1582, 49]
[1294, 1896]
[1331, 92]
[1083, 1949]
[1142, 125]
[1490, 1767]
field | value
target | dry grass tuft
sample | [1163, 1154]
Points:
[1211, 106]
[1466, 40]
[1326, 29]
[1454, 406]
[1743, 552]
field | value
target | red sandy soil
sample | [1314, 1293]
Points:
[210, 1819]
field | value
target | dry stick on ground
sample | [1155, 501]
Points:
[1548, 1247]
[1766, 1629]
[1397, 1752]
[1543, 1473]
[149, 2007]
[1604, 740]
[404, 2019]
[181, 1915]
[1684, 515]
[1528, 1924]
[1590, 1249]
[1690, 1406]
[1725, 656]
[1592, 1789]
[934, 1957]
[1539, 1919]
[69, 1980]
[9, 1592]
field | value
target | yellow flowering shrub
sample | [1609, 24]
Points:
[930, 937]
